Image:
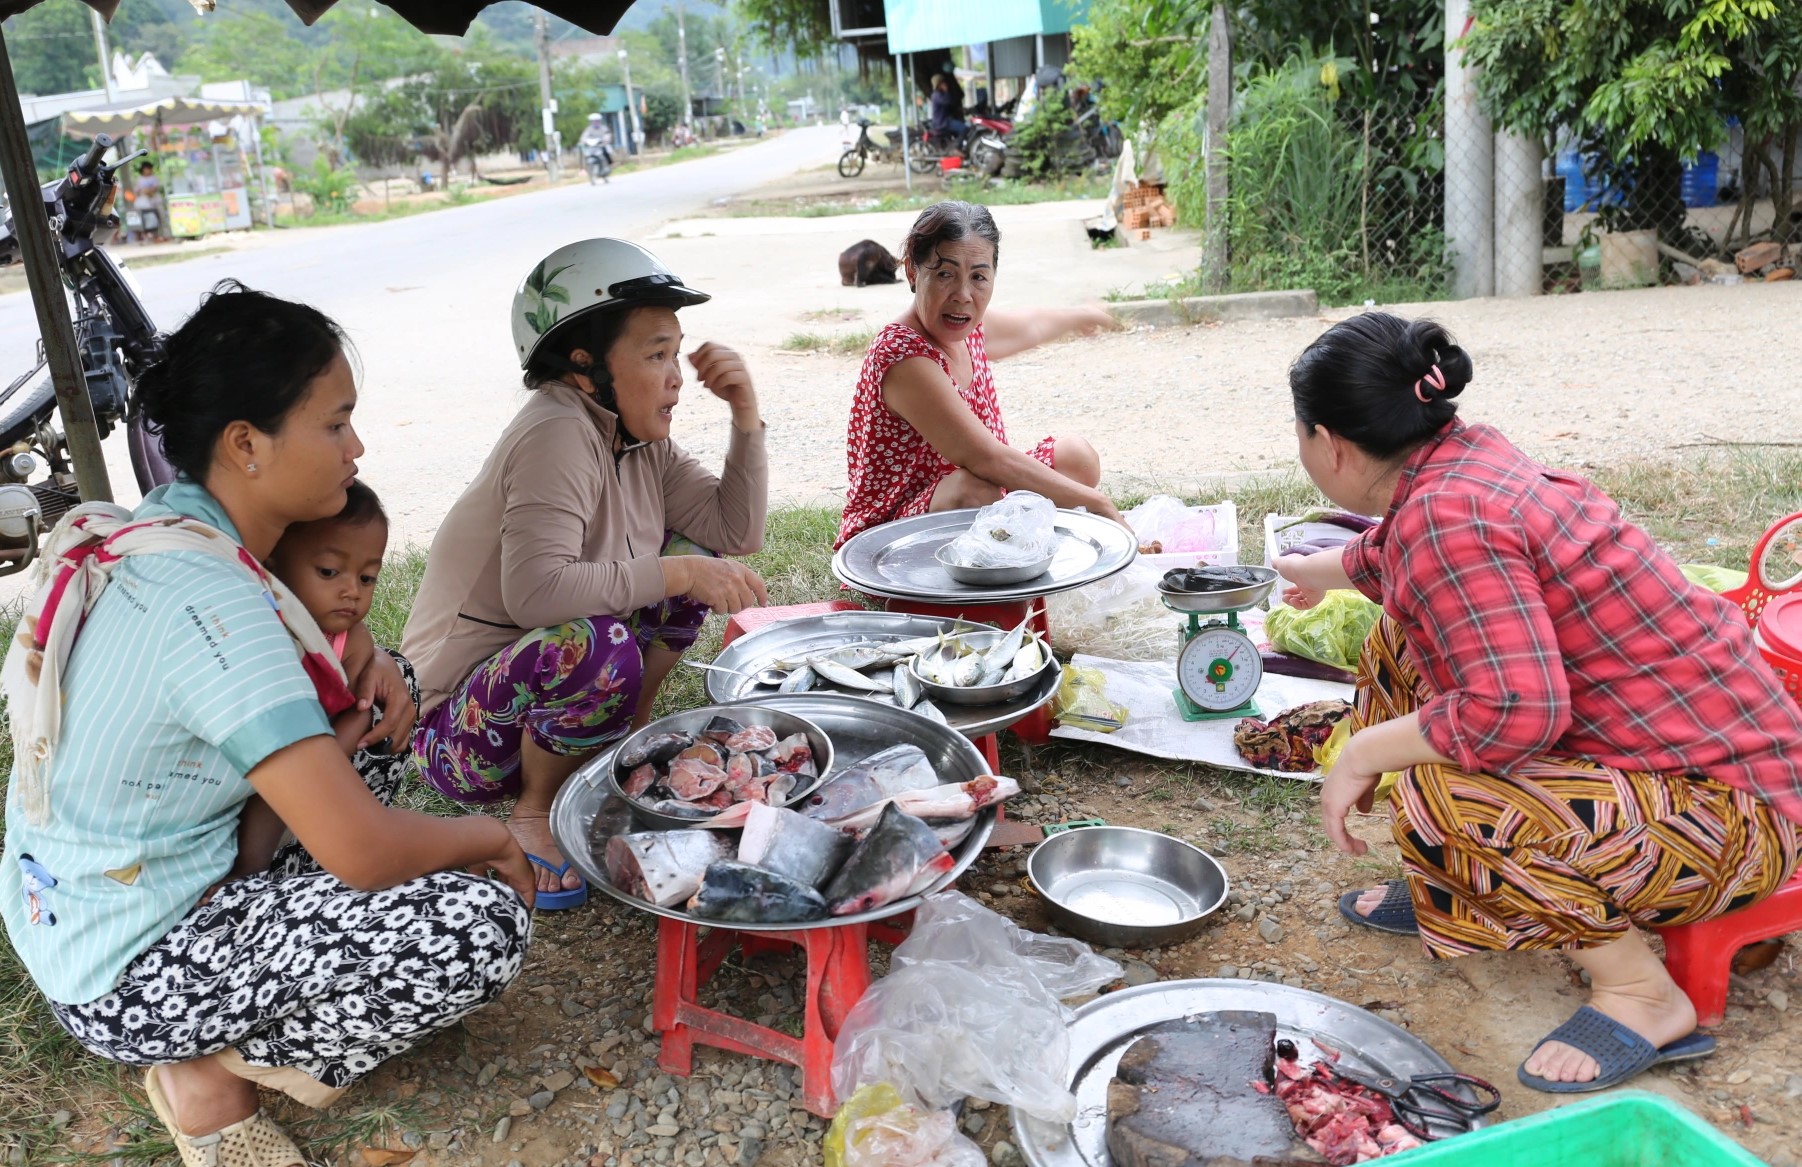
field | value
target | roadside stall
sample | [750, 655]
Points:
[207, 153]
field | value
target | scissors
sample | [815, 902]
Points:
[1424, 1099]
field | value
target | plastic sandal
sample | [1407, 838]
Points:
[1619, 1052]
[252, 1142]
[1395, 915]
[558, 901]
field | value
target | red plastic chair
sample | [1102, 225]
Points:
[1700, 956]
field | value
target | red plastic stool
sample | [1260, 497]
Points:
[838, 973]
[1700, 955]
[1035, 727]
[751, 619]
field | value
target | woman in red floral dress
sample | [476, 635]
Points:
[926, 431]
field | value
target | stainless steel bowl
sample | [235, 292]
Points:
[1229, 600]
[1122, 887]
[980, 694]
[992, 577]
[695, 720]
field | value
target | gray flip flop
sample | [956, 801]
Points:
[1395, 915]
[1619, 1052]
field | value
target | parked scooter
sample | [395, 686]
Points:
[117, 342]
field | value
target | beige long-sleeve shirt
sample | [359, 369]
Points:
[555, 527]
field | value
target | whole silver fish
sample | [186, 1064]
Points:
[926, 708]
[900, 856]
[1001, 654]
[967, 671]
[847, 678]
[799, 681]
[907, 687]
[858, 656]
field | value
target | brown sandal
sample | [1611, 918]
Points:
[252, 1142]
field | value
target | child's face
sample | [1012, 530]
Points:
[332, 568]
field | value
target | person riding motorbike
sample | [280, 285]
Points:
[597, 139]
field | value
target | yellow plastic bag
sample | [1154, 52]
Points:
[1081, 703]
[1715, 579]
[1331, 632]
[1327, 752]
[875, 1128]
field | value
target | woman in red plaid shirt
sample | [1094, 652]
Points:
[1588, 742]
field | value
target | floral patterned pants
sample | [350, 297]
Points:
[573, 688]
[305, 984]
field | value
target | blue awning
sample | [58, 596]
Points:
[916, 26]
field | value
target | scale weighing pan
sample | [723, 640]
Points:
[808, 635]
[1225, 599]
[1104, 1027]
[899, 560]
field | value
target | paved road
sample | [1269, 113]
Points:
[425, 300]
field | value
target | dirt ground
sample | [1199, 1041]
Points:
[513, 1085]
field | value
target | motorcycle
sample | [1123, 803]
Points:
[117, 342]
[598, 161]
[888, 152]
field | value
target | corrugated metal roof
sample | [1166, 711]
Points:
[920, 25]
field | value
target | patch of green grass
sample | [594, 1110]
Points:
[839, 344]
[689, 154]
[1000, 192]
[1709, 508]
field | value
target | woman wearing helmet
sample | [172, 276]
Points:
[570, 576]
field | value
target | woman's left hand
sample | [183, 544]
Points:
[383, 687]
[724, 374]
[1350, 784]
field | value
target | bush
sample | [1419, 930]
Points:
[331, 190]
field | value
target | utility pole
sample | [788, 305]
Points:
[719, 72]
[106, 62]
[553, 141]
[631, 104]
[1216, 262]
[682, 65]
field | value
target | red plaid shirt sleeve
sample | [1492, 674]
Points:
[1468, 586]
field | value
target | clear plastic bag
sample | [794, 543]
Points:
[1018, 530]
[877, 1128]
[1121, 617]
[1175, 526]
[971, 1007]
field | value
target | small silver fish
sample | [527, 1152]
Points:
[967, 671]
[907, 686]
[926, 708]
[1001, 654]
[799, 681]
[856, 656]
[844, 677]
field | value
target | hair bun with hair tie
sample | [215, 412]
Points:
[1435, 379]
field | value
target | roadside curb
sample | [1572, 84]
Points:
[1228, 308]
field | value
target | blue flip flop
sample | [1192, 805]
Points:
[1395, 915]
[1619, 1052]
[557, 901]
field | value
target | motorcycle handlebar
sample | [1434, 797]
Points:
[88, 164]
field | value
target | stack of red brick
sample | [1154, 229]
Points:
[1144, 206]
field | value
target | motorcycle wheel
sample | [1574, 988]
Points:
[23, 408]
[850, 164]
[987, 159]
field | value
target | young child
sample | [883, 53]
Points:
[332, 566]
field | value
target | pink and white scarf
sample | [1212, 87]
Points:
[74, 566]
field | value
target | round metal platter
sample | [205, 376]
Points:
[899, 560]
[587, 812]
[1103, 1028]
[807, 635]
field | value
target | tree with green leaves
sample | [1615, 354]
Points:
[800, 26]
[1646, 84]
[52, 49]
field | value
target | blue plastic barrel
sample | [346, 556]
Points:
[1702, 180]
[1570, 168]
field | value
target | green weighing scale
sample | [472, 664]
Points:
[1218, 668]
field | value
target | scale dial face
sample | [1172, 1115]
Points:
[1219, 668]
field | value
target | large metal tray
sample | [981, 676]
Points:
[899, 560]
[1105, 1026]
[587, 812]
[810, 634]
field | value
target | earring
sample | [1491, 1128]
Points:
[251, 468]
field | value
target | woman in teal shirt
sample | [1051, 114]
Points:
[159, 938]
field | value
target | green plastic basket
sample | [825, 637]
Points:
[1629, 1128]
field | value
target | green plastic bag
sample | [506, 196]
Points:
[1715, 579]
[1332, 632]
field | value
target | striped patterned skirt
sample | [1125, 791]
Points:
[1564, 853]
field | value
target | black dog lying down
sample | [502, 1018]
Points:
[866, 263]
